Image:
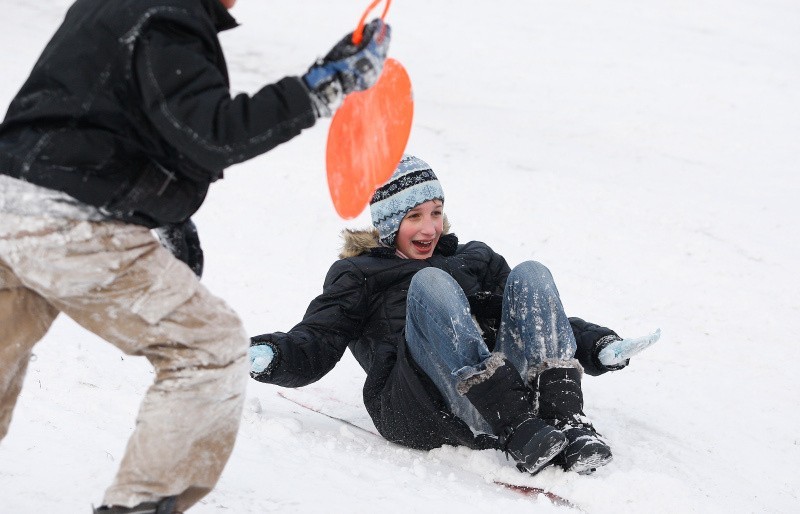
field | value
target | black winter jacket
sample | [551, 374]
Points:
[363, 307]
[129, 109]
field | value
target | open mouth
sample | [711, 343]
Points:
[423, 246]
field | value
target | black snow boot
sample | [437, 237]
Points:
[165, 506]
[559, 400]
[501, 397]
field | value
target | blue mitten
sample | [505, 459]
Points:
[348, 68]
[261, 357]
[619, 351]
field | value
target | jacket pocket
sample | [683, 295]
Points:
[158, 197]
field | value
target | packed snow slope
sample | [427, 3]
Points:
[646, 151]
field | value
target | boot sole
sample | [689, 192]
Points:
[588, 464]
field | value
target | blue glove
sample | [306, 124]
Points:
[348, 68]
[619, 351]
[260, 358]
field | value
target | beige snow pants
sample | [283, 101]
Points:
[116, 280]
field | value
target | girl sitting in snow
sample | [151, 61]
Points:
[458, 348]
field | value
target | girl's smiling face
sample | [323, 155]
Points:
[420, 230]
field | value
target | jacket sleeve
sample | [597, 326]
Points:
[186, 97]
[486, 303]
[497, 272]
[313, 347]
[487, 266]
[592, 338]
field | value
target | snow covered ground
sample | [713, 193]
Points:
[646, 151]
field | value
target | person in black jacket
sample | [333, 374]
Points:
[458, 348]
[124, 122]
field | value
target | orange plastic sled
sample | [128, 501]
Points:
[368, 135]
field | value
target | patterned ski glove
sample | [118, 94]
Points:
[618, 351]
[348, 68]
[261, 356]
[182, 240]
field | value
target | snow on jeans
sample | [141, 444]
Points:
[444, 340]
[115, 280]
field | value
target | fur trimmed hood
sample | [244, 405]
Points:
[357, 242]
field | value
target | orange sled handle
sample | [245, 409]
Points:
[358, 34]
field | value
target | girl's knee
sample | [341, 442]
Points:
[432, 279]
[532, 272]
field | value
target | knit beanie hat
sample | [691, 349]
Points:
[412, 183]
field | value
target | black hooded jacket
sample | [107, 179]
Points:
[129, 109]
[363, 307]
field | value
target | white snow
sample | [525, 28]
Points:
[645, 151]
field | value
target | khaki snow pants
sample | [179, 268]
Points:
[117, 281]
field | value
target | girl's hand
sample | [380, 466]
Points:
[261, 356]
[618, 352]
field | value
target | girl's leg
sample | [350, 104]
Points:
[481, 388]
[537, 338]
[444, 341]
[534, 329]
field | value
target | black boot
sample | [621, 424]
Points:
[501, 397]
[165, 506]
[559, 400]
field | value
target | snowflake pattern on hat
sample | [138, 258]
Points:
[412, 183]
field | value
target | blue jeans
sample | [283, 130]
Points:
[445, 342]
